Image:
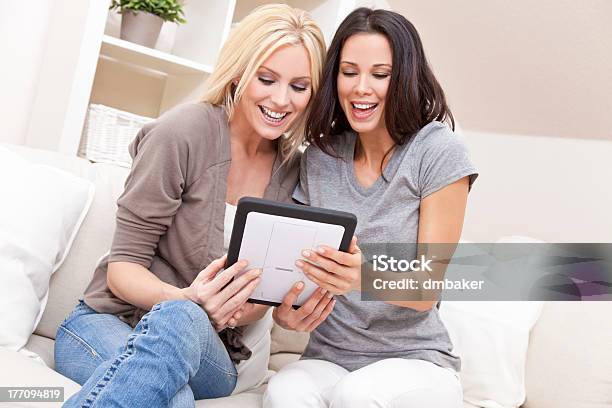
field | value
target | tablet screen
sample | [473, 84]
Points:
[273, 243]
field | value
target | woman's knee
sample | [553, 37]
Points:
[177, 328]
[292, 388]
[372, 386]
[280, 389]
[184, 314]
[351, 392]
[345, 395]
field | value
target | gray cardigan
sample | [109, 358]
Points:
[170, 216]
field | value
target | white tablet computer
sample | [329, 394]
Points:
[272, 235]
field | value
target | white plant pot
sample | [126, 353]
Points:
[140, 27]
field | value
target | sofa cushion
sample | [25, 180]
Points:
[492, 339]
[288, 341]
[21, 371]
[44, 347]
[279, 360]
[569, 360]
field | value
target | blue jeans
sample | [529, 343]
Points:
[171, 358]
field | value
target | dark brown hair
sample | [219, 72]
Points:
[414, 99]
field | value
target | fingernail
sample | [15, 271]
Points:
[299, 264]
[300, 285]
[257, 272]
[306, 253]
[242, 263]
[321, 250]
[323, 291]
[330, 295]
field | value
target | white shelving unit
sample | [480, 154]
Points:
[121, 51]
[148, 81]
[86, 62]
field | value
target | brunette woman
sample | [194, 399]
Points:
[381, 146]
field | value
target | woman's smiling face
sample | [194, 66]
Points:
[279, 92]
[363, 80]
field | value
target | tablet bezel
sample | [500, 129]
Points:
[247, 205]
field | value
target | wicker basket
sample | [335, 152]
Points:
[107, 134]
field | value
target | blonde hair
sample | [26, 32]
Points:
[255, 38]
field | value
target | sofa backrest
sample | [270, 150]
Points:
[552, 189]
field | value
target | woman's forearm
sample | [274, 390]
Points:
[440, 222]
[136, 285]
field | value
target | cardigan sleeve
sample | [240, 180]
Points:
[152, 194]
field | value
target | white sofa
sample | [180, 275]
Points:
[569, 362]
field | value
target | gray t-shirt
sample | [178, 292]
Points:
[360, 333]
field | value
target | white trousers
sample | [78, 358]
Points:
[390, 383]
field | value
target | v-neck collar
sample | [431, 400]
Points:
[388, 172]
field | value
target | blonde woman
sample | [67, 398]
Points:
[157, 325]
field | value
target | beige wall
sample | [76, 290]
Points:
[24, 27]
[539, 67]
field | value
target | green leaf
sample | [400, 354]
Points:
[167, 10]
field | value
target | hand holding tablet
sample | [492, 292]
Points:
[308, 316]
[336, 271]
[272, 236]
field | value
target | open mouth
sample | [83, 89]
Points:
[271, 117]
[363, 110]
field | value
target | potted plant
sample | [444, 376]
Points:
[141, 20]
